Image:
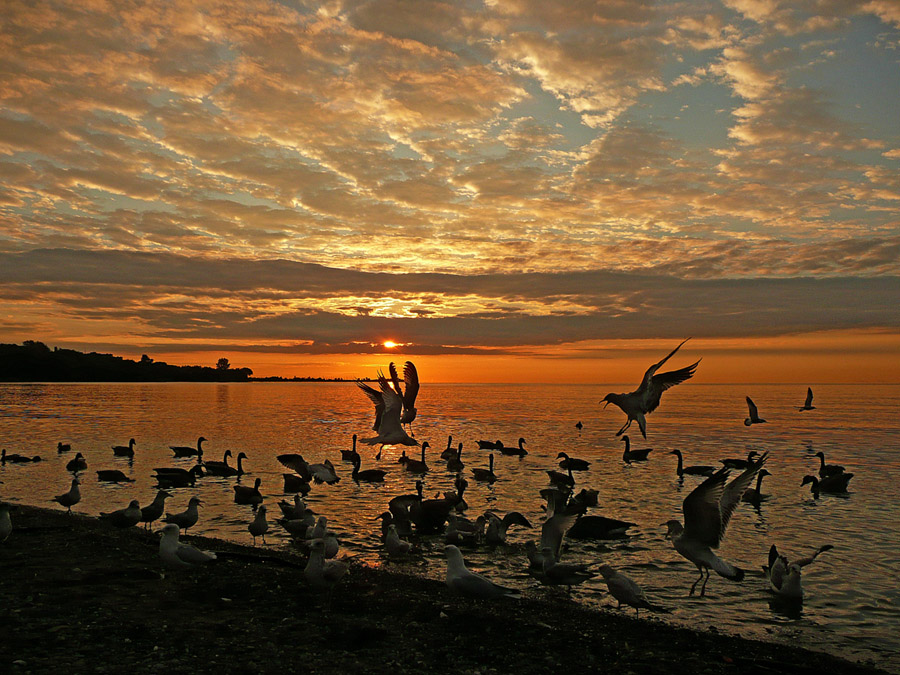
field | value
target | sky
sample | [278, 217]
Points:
[508, 191]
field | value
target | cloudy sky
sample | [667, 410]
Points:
[510, 190]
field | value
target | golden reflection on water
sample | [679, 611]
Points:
[856, 426]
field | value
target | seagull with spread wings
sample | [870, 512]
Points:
[645, 399]
[807, 405]
[408, 392]
[707, 511]
[753, 413]
[388, 409]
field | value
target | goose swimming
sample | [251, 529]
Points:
[113, 476]
[834, 484]
[755, 495]
[753, 413]
[465, 582]
[70, 498]
[388, 408]
[736, 463]
[369, 475]
[558, 479]
[807, 405]
[188, 451]
[185, 519]
[518, 450]
[77, 463]
[694, 470]
[645, 399]
[486, 475]
[707, 510]
[350, 455]
[16, 459]
[175, 477]
[572, 463]
[455, 463]
[295, 483]
[176, 555]
[124, 450]
[127, 517]
[215, 468]
[417, 465]
[629, 455]
[449, 451]
[826, 470]
[63, 447]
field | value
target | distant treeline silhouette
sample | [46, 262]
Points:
[34, 361]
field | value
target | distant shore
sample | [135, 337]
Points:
[77, 595]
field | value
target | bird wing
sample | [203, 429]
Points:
[809, 397]
[754, 412]
[731, 495]
[659, 383]
[411, 379]
[395, 379]
[651, 371]
[189, 554]
[393, 406]
[376, 397]
[553, 530]
[702, 516]
[515, 518]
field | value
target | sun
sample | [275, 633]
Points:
[389, 344]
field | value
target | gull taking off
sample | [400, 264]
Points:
[409, 391]
[176, 555]
[645, 399]
[785, 576]
[707, 511]
[388, 408]
[808, 404]
[754, 417]
[461, 580]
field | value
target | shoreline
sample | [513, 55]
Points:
[80, 595]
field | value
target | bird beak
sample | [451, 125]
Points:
[605, 403]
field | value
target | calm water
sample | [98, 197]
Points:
[852, 604]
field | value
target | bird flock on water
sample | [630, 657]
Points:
[407, 519]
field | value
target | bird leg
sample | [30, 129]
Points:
[703, 587]
[694, 586]
[378, 456]
[624, 427]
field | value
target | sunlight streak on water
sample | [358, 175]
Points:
[852, 604]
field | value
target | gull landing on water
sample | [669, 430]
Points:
[645, 399]
[807, 405]
[388, 409]
[754, 417]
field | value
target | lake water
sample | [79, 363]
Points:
[852, 603]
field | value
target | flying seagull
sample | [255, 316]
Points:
[388, 408]
[707, 511]
[409, 391]
[807, 405]
[645, 399]
[754, 414]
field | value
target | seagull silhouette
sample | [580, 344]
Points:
[754, 414]
[807, 405]
[388, 408]
[645, 399]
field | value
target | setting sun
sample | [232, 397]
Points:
[389, 344]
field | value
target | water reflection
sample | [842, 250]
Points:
[318, 421]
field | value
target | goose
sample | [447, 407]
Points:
[322, 574]
[409, 391]
[753, 413]
[402, 459]
[124, 450]
[350, 455]
[428, 515]
[77, 463]
[16, 459]
[562, 479]
[188, 451]
[455, 463]
[826, 470]
[175, 477]
[369, 475]
[113, 476]
[70, 498]
[695, 470]
[519, 450]
[754, 495]
[63, 447]
[734, 463]
[629, 455]
[226, 470]
[417, 465]
[489, 445]
[707, 510]
[486, 475]
[127, 517]
[295, 463]
[598, 527]
[449, 451]
[460, 580]
[836, 484]
[807, 405]
[388, 408]
[400, 520]
[295, 483]
[625, 590]
[259, 525]
[645, 399]
[215, 468]
[176, 555]
[456, 496]
[5, 522]
[572, 463]
[555, 573]
[324, 473]
[185, 519]
[394, 545]
[497, 527]
[244, 494]
[463, 532]
[585, 499]
[154, 510]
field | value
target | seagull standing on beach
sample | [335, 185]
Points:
[187, 518]
[753, 413]
[259, 525]
[176, 555]
[322, 574]
[707, 511]
[388, 408]
[127, 517]
[70, 498]
[624, 589]
[645, 399]
[154, 510]
[461, 580]
[807, 405]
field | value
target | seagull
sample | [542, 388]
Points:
[5, 522]
[409, 392]
[784, 576]
[124, 450]
[555, 573]
[70, 498]
[629, 455]
[188, 451]
[154, 510]
[461, 580]
[497, 527]
[187, 518]
[707, 510]
[807, 405]
[322, 574]
[388, 408]
[176, 555]
[127, 517]
[323, 473]
[395, 546]
[754, 414]
[625, 590]
[645, 399]
[259, 526]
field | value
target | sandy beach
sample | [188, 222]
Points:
[81, 596]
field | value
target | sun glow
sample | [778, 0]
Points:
[390, 344]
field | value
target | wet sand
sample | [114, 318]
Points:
[77, 595]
